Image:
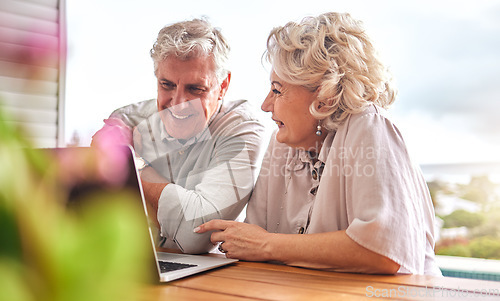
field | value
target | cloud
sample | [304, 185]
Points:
[446, 140]
[451, 68]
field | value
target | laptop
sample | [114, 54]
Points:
[166, 266]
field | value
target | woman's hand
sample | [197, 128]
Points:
[240, 240]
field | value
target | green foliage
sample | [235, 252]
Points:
[489, 229]
[480, 190]
[434, 187]
[463, 218]
[50, 254]
[485, 247]
[437, 187]
[480, 247]
[454, 250]
[483, 239]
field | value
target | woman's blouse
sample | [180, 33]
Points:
[363, 182]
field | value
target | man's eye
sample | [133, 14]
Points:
[196, 90]
[168, 86]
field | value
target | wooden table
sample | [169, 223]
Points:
[265, 281]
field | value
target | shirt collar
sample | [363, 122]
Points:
[327, 145]
[299, 158]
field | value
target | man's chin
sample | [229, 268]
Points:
[183, 133]
[184, 129]
[180, 135]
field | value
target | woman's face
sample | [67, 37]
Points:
[289, 105]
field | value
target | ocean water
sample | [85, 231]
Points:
[462, 172]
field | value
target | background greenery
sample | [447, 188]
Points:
[483, 226]
[50, 253]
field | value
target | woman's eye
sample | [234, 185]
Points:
[276, 91]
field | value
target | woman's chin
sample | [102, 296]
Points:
[281, 136]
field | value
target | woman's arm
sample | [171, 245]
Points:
[330, 250]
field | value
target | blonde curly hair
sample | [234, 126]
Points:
[332, 53]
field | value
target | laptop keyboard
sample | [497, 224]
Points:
[167, 266]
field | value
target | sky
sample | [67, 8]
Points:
[444, 56]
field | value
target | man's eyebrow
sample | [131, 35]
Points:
[195, 85]
[164, 80]
[274, 82]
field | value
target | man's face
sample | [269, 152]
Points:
[188, 94]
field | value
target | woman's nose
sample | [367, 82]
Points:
[268, 104]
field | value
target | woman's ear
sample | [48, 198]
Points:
[327, 100]
[321, 106]
[319, 103]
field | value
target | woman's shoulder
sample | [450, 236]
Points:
[371, 111]
[371, 126]
[372, 116]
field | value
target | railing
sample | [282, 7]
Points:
[473, 268]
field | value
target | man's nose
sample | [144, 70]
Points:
[178, 98]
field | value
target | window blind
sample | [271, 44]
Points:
[32, 68]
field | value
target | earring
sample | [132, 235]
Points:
[319, 132]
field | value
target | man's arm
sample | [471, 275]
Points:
[152, 185]
[219, 191]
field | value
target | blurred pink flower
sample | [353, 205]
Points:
[106, 161]
[112, 156]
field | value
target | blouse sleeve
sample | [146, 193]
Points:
[257, 205]
[386, 194]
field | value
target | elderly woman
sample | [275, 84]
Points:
[337, 189]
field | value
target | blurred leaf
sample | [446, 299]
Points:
[10, 243]
[48, 253]
[13, 284]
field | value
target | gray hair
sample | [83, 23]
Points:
[333, 55]
[192, 38]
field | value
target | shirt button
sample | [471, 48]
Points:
[313, 190]
[314, 174]
[301, 230]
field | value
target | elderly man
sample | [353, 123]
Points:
[198, 151]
